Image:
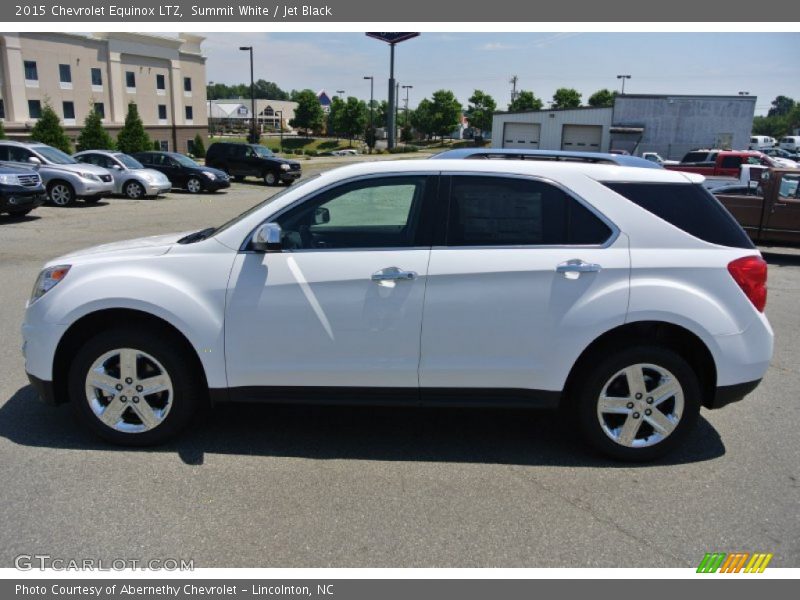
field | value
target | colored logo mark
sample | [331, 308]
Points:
[736, 562]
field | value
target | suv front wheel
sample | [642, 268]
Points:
[639, 403]
[133, 387]
[270, 178]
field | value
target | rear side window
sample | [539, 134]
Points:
[688, 207]
[501, 211]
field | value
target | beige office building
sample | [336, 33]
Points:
[164, 76]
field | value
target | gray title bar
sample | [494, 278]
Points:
[468, 11]
[731, 588]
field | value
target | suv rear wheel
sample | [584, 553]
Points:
[639, 403]
[132, 387]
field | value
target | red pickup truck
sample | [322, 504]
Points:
[725, 163]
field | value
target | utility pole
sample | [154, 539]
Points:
[371, 142]
[623, 77]
[406, 88]
[255, 136]
[513, 82]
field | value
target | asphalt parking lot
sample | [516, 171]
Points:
[261, 486]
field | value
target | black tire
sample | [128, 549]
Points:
[194, 185]
[60, 193]
[270, 178]
[133, 190]
[584, 405]
[187, 392]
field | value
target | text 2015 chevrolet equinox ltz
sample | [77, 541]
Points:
[628, 296]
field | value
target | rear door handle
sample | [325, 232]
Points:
[393, 274]
[576, 265]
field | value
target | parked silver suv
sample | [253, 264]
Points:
[64, 177]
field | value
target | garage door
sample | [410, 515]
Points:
[581, 138]
[521, 135]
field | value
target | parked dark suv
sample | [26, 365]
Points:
[183, 172]
[21, 190]
[242, 160]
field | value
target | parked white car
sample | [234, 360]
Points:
[131, 177]
[658, 159]
[627, 296]
[759, 142]
[790, 143]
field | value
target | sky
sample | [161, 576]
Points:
[764, 64]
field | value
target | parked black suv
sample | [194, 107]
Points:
[183, 172]
[240, 160]
[21, 190]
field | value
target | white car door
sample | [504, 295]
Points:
[341, 305]
[527, 277]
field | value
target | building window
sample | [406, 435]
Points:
[2, 109]
[100, 109]
[190, 146]
[189, 113]
[162, 112]
[187, 84]
[31, 72]
[161, 83]
[64, 74]
[69, 110]
[34, 109]
[130, 80]
[97, 76]
[164, 145]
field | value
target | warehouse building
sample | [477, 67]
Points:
[164, 76]
[668, 124]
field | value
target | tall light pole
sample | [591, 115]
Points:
[254, 137]
[371, 108]
[280, 125]
[406, 88]
[623, 77]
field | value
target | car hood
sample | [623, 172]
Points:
[78, 167]
[154, 245]
[151, 173]
[285, 160]
[217, 172]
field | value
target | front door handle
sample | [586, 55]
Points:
[577, 266]
[393, 274]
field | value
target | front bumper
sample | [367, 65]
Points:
[15, 198]
[290, 175]
[217, 184]
[154, 189]
[85, 188]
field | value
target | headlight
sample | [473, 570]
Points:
[89, 176]
[47, 279]
[210, 175]
[9, 179]
[285, 166]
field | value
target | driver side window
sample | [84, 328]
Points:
[375, 213]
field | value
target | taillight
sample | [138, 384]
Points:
[750, 273]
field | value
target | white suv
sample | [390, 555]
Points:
[629, 297]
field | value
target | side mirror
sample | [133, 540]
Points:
[116, 167]
[35, 160]
[321, 215]
[267, 238]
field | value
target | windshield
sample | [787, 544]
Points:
[129, 161]
[263, 151]
[184, 161]
[55, 156]
[260, 205]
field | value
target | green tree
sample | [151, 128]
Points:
[2, 131]
[406, 135]
[334, 116]
[308, 115]
[132, 137]
[781, 106]
[774, 126]
[421, 118]
[445, 113]
[156, 146]
[602, 98]
[566, 98]
[199, 146]
[263, 89]
[48, 130]
[352, 118]
[525, 100]
[94, 136]
[480, 110]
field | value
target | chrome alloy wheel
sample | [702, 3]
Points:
[134, 190]
[640, 405]
[194, 185]
[129, 390]
[60, 194]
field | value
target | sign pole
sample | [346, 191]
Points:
[392, 100]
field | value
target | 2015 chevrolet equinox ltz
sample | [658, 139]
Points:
[630, 295]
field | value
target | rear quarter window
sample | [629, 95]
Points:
[689, 207]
